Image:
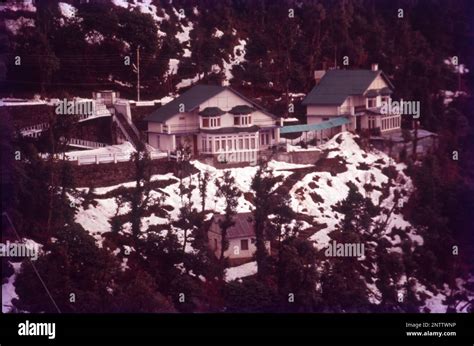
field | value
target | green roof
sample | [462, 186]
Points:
[337, 85]
[191, 99]
[315, 127]
[241, 109]
[211, 112]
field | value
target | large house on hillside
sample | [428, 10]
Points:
[357, 95]
[213, 120]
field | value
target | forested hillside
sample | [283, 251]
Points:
[268, 48]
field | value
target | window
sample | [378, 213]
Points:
[253, 143]
[210, 145]
[229, 144]
[236, 120]
[267, 137]
[273, 134]
[241, 143]
[223, 144]
[246, 143]
[203, 144]
[371, 102]
[244, 244]
[385, 99]
[218, 145]
[205, 122]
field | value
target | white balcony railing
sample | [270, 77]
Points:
[348, 110]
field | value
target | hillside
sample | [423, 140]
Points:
[94, 45]
[313, 197]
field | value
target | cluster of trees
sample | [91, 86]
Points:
[409, 39]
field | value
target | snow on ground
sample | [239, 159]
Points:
[67, 10]
[14, 25]
[183, 35]
[24, 5]
[241, 271]
[330, 189]
[218, 33]
[8, 289]
[237, 58]
[125, 148]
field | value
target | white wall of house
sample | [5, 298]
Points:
[183, 122]
[155, 127]
[235, 250]
[378, 83]
[322, 110]
[162, 141]
[225, 100]
[189, 122]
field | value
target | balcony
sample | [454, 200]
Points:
[181, 128]
[348, 110]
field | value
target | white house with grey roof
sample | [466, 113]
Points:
[213, 120]
[357, 95]
[240, 236]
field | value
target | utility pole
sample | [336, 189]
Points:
[138, 73]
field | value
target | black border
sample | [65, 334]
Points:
[237, 329]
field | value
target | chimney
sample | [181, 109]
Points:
[375, 67]
[318, 74]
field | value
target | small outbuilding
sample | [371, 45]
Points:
[241, 238]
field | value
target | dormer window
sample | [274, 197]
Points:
[242, 115]
[242, 120]
[211, 117]
[211, 122]
[372, 98]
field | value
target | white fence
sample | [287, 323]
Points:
[109, 158]
[34, 130]
[86, 144]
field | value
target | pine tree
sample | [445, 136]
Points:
[231, 193]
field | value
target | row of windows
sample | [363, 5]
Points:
[242, 120]
[372, 102]
[211, 122]
[216, 121]
[228, 143]
[390, 123]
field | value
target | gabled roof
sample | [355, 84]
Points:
[243, 228]
[241, 110]
[191, 99]
[211, 112]
[337, 85]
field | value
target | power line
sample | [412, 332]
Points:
[32, 264]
